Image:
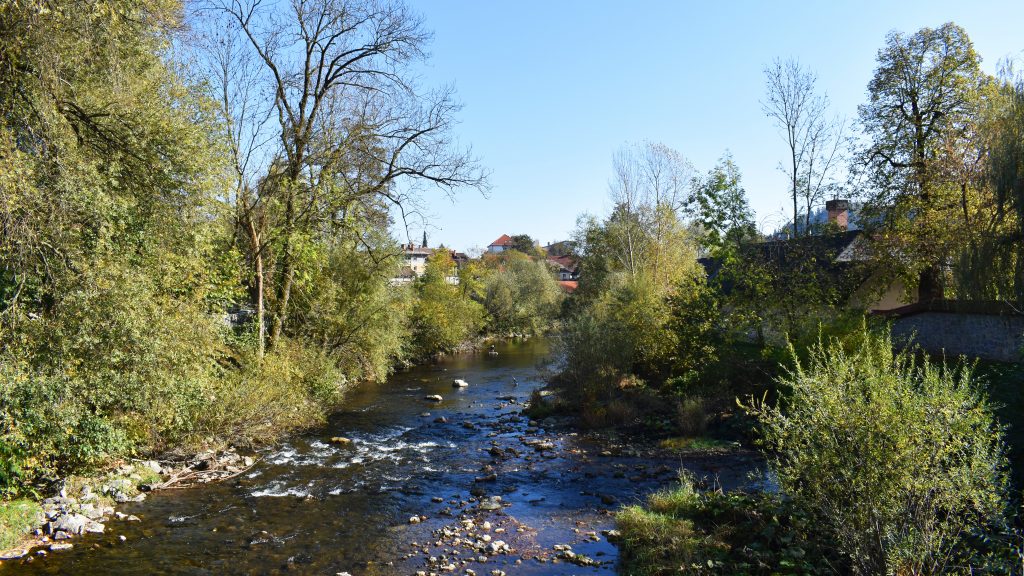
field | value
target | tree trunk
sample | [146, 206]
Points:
[283, 295]
[1019, 281]
[929, 284]
[796, 209]
[254, 240]
[288, 264]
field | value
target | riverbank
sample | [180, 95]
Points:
[24, 521]
[310, 505]
[88, 504]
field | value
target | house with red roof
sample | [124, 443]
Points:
[500, 245]
[564, 266]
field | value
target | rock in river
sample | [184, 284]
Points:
[433, 398]
[459, 383]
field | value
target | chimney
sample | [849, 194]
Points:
[838, 213]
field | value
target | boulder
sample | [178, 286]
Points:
[69, 523]
[459, 383]
[93, 527]
[433, 398]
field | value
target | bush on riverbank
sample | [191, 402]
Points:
[685, 530]
[72, 416]
[443, 317]
[897, 460]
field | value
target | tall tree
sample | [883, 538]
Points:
[650, 186]
[525, 244]
[721, 209]
[922, 96]
[813, 138]
[350, 124]
[108, 153]
[443, 317]
[1007, 170]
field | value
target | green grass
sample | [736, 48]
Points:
[698, 444]
[17, 518]
[683, 530]
[655, 543]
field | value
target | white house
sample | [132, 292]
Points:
[501, 244]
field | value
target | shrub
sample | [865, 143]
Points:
[691, 416]
[684, 530]
[17, 517]
[442, 316]
[118, 368]
[293, 386]
[46, 430]
[897, 461]
[521, 296]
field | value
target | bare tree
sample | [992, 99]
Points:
[813, 138]
[352, 130]
[651, 188]
[233, 72]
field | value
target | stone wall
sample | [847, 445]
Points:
[976, 335]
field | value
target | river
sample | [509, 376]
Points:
[310, 506]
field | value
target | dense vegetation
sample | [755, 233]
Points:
[896, 461]
[885, 465]
[195, 225]
[196, 249]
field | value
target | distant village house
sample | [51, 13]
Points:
[500, 245]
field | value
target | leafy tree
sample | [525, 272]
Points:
[632, 262]
[349, 125]
[345, 306]
[473, 276]
[650, 187]
[442, 316]
[1007, 173]
[694, 320]
[720, 206]
[525, 244]
[522, 297]
[114, 262]
[923, 102]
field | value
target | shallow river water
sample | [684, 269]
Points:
[314, 507]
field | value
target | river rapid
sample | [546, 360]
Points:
[467, 485]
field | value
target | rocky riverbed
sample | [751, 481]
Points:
[400, 482]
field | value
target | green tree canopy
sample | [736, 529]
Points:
[922, 110]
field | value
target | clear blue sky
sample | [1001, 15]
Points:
[551, 89]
